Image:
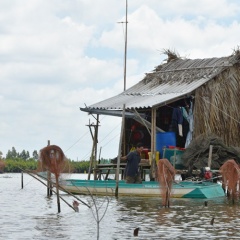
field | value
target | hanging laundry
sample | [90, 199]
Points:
[179, 125]
[190, 121]
[177, 120]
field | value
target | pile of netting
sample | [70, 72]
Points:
[197, 153]
[230, 172]
[166, 176]
[52, 158]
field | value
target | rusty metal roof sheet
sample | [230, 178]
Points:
[168, 82]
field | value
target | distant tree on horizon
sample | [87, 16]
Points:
[11, 153]
[35, 155]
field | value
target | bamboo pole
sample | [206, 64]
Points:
[63, 189]
[210, 156]
[95, 148]
[22, 179]
[92, 153]
[46, 186]
[125, 50]
[57, 184]
[49, 188]
[58, 196]
[119, 151]
[153, 145]
[123, 111]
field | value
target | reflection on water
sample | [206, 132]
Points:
[28, 214]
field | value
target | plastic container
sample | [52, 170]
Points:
[144, 153]
[157, 157]
[174, 156]
[165, 139]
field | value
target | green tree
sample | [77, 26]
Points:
[28, 155]
[12, 154]
[23, 155]
[35, 155]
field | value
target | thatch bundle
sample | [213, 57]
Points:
[217, 105]
[172, 55]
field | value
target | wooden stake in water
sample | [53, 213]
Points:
[49, 184]
[58, 198]
[22, 180]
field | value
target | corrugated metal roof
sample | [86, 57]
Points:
[168, 82]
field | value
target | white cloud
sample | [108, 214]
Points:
[55, 56]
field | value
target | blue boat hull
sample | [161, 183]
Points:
[184, 189]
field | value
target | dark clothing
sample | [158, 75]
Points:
[178, 118]
[136, 179]
[133, 160]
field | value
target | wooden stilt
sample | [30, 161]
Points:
[58, 198]
[49, 185]
[22, 179]
[119, 151]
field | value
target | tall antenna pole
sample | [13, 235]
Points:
[125, 52]
[123, 111]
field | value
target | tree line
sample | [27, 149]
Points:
[12, 154]
[15, 161]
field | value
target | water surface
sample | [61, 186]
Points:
[29, 214]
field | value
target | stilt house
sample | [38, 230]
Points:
[204, 91]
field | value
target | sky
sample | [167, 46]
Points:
[59, 55]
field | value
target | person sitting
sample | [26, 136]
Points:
[132, 174]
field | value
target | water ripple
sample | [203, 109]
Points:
[28, 214]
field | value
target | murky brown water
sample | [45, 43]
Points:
[28, 214]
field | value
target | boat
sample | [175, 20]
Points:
[182, 189]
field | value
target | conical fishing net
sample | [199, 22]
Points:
[230, 177]
[52, 158]
[166, 175]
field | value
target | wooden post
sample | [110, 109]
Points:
[49, 184]
[58, 198]
[153, 145]
[93, 150]
[119, 151]
[22, 180]
[210, 156]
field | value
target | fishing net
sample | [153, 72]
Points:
[230, 178]
[197, 153]
[52, 158]
[166, 175]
